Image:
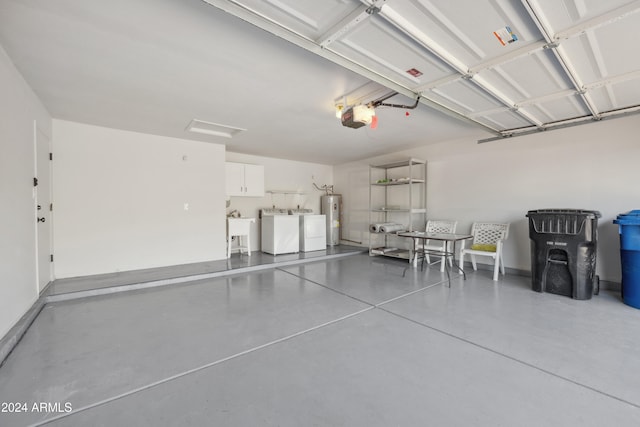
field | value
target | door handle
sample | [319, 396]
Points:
[43, 219]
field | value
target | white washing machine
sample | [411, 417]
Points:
[313, 230]
[280, 232]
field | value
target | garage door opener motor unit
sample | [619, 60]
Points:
[361, 115]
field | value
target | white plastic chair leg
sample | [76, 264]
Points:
[248, 244]
[496, 265]
[473, 262]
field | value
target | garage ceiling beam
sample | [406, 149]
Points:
[348, 23]
[417, 34]
[632, 75]
[562, 124]
[253, 17]
[598, 21]
[536, 14]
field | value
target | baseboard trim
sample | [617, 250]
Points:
[188, 279]
[15, 334]
[605, 285]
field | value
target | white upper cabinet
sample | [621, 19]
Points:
[244, 180]
[234, 177]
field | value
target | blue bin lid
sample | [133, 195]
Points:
[629, 218]
[635, 212]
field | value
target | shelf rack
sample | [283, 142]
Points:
[398, 199]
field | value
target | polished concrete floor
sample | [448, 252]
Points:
[340, 342]
[88, 285]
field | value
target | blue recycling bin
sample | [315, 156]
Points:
[629, 230]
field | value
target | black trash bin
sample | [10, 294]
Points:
[563, 251]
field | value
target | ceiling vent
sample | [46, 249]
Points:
[208, 128]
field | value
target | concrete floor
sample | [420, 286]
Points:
[91, 285]
[340, 342]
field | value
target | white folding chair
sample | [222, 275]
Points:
[441, 226]
[488, 239]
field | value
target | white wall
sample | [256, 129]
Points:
[593, 166]
[281, 175]
[120, 200]
[19, 107]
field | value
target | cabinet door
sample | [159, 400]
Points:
[234, 177]
[254, 180]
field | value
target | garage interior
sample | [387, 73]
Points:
[119, 304]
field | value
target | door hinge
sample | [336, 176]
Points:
[50, 156]
[51, 257]
[35, 181]
[50, 207]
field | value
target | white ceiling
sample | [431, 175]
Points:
[278, 67]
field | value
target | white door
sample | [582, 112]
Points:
[43, 212]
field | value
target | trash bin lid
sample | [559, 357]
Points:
[629, 218]
[635, 212]
[588, 213]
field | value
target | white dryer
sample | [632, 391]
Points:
[313, 230]
[280, 232]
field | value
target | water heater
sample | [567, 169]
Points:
[330, 206]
